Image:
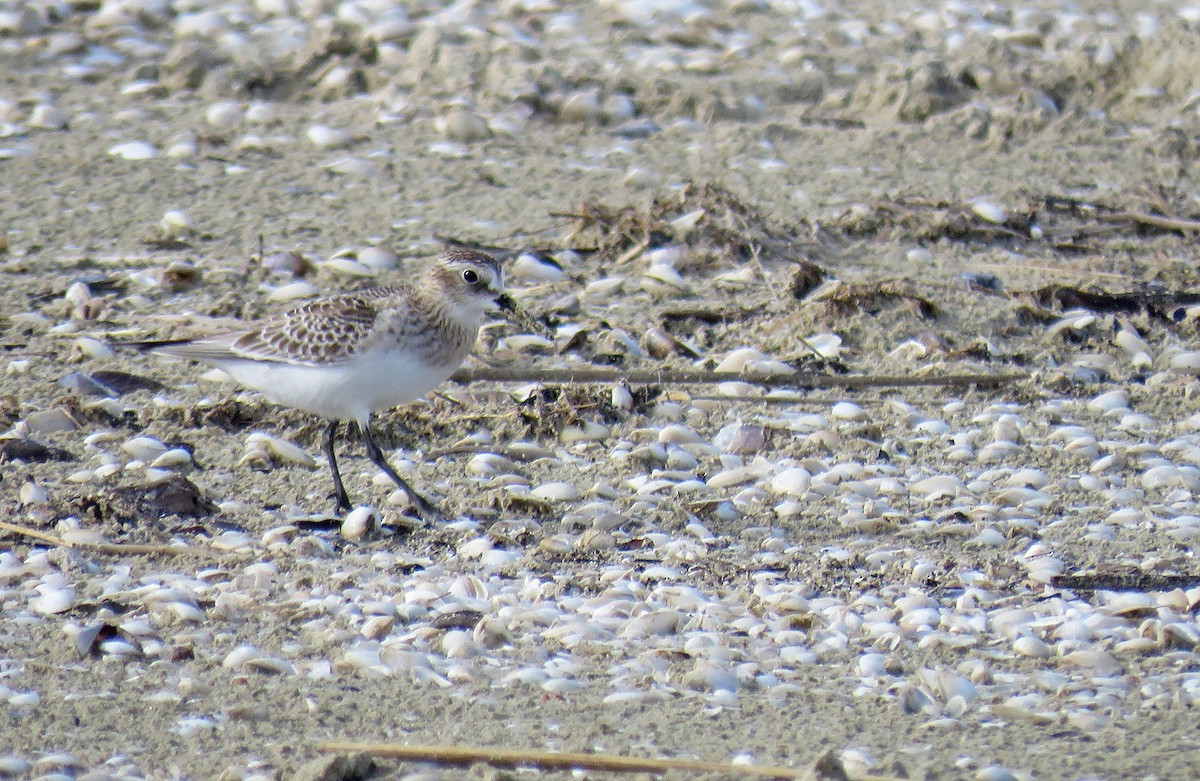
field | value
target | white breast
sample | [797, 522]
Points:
[347, 392]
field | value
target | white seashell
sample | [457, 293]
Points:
[994, 773]
[737, 360]
[678, 435]
[326, 137]
[359, 522]
[175, 223]
[232, 541]
[1129, 340]
[1127, 603]
[378, 258]
[349, 267]
[988, 211]
[47, 117]
[826, 345]
[988, 536]
[144, 448]
[460, 123]
[50, 421]
[52, 600]
[618, 108]
[535, 268]
[377, 626]
[182, 145]
[223, 115]
[32, 493]
[351, 166]
[1095, 659]
[1166, 476]
[846, 410]
[727, 478]
[14, 766]
[794, 481]
[682, 225]
[671, 255]
[476, 548]
[767, 368]
[1032, 647]
[293, 291]
[1188, 362]
[237, 658]
[555, 492]
[176, 456]
[657, 623]
[580, 107]
[252, 142]
[57, 760]
[591, 431]
[621, 397]
[261, 112]
[449, 149]
[526, 342]
[1076, 320]
[938, 486]
[133, 150]
[641, 178]
[1112, 401]
[666, 273]
[270, 664]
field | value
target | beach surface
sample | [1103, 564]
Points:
[987, 579]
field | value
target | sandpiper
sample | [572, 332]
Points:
[346, 356]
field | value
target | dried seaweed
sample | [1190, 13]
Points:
[1058, 222]
[874, 297]
[1125, 581]
[1155, 302]
[724, 230]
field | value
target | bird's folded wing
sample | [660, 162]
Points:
[322, 333]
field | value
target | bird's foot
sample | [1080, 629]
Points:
[341, 504]
[422, 506]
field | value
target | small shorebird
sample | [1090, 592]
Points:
[346, 356]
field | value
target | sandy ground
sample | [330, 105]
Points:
[816, 161]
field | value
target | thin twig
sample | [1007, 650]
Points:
[104, 547]
[554, 760]
[691, 377]
[1152, 220]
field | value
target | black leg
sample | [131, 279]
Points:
[340, 498]
[376, 455]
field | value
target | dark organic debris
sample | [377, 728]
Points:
[356, 766]
[87, 642]
[725, 230]
[980, 282]
[873, 298]
[806, 278]
[1065, 224]
[457, 619]
[917, 219]
[137, 504]
[547, 411]
[32, 452]
[227, 415]
[1158, 303]
[1125, 581]
[107, 383]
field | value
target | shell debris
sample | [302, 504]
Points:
[919, 552]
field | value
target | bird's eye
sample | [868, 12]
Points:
[470, 276]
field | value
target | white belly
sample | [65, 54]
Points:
[348, 392]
